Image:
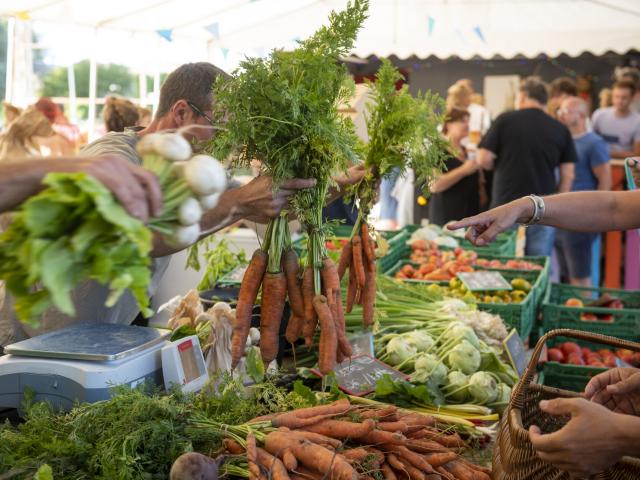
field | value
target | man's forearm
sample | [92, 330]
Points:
[19, 181]
[628, 435]
[622, 153]
[565, 185]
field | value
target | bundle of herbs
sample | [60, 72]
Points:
[75, 230]
[283, 111]
[403, 133]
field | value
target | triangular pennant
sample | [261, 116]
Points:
[225, 52]
[214, 29]
[478, 31]
[431, 24]
[166, 34]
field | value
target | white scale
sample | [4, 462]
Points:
[83, 362]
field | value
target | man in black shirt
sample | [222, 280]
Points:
[524, 148]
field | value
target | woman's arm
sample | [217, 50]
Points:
[578, 211]
[450, 178]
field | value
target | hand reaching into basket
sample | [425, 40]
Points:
[594, 439]
[617, 389]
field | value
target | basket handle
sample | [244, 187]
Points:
[527, 377]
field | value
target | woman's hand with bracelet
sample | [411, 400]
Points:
[485, 227]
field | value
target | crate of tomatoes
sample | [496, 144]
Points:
[571, 365]
[600, 310]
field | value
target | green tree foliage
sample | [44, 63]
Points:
[112, 79]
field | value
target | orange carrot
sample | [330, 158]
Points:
[246, 300]
[445, 474]
[451, 440]
[294, 328]
[317, 438]
[291, 419]
[344, 346]
[462, 472]
[403, 466]
[328, 337]
[274, 292]
[426, 446]
[413, 419]
[345, 260]
[378, 437]
[387, 472]
[232, 446]
[357, 455]
[252, 457]
[310, 317]
[289, 460]
[357, 262]
[410, 456]
[341, 429]
[271, 464]
[393, 427]
[290, 266]
[352, 289]
[381, 414]
[369, 294]
[367, 246]
[311, 455]
[330, 279]
[438, 459]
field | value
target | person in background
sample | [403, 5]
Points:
[524, 147]
[604, 98]
[57, 144]
[455, 194]
[592, 172]
[24, 135]
[632, 75]
[618, 125]
[144, 117]
[11, 112]
[119, 113]
[479, 116]
[559, 89]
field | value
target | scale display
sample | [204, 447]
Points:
[183, 365]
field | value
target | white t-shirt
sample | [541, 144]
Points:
[620, 133]
[479, 118]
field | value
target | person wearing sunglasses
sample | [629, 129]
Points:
[185, 104]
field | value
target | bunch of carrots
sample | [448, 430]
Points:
[358, 256]
[343, 442]
[276, 269]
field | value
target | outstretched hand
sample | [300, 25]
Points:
[618, 389]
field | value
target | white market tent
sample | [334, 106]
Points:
[158, 35]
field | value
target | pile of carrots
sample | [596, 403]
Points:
[341, 442]
[358, 256]
[308, 309]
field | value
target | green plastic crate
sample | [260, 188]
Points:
[568, 377]
[625, 324]
[504, 244]
[542, 283]
[520, 316]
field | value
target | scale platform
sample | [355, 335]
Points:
[81, 363]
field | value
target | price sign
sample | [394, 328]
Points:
[515, 351]
[477, 281]
[362, 344]
[359, 375]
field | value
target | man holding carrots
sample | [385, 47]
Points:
[186, 105]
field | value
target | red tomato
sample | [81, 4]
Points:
[571, 347]
[585, 351]
[610, 361]
[556, 355]
[596, 364]
[617, 304]
[575, 359]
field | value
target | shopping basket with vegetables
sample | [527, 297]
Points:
[514, 457]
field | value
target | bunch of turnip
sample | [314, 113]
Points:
[191, 184]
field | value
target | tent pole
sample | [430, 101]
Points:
[11, 55]
[93, 87]
[73, 102]
[142, 79]
[156, 91]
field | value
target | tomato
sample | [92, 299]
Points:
[596, 364]
[556, 355]
[575, 359]
[605, 318]
[617, 304]
[574, 302]
[419, 244]
[585, 351]
[571, 347]
[588, 317]
[610, 361]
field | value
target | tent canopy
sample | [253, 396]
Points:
[223, 31]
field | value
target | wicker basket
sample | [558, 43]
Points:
[514, 457]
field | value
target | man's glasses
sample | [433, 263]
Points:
[200, 112]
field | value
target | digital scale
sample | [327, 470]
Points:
[81, 363]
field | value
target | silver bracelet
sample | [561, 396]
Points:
[538, 210]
